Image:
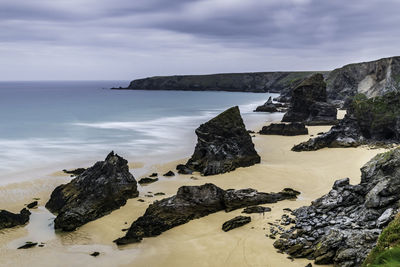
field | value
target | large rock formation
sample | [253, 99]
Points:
[342, 226]
[96, 192]
[308, 103]
[368, 121]
[373, 78]
[260, 82]
[9, 219]
[291, 129]
[223, 144]
[193, 202]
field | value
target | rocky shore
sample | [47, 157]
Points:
[369, 121]
[343, 226]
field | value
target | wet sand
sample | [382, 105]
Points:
[200, 242]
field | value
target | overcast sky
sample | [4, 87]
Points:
[127, 39]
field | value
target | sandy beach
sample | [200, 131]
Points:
[200, 242]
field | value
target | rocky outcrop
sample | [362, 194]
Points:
[75, 172]
[291, 129]
[236, 222]
[373, 121]
[102, 188]
[147, 180]
[270, 106]
[373, 78]
[342, 226]
[9, 219]
[259, 82]
[256, 209]
[308, 103]
[193, 202]
[223, 144]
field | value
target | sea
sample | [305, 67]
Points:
[47, 126]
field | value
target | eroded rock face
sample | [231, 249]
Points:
[342, 226]
[223, 144]
[371, 121]
[291, 129]
[193, 202]
[308, 103]
[96, 192]
[9, 219]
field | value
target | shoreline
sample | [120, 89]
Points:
[200, 242]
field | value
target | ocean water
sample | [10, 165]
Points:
[49, 126]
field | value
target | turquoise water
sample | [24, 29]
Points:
[57, 125]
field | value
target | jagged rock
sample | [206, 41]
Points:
[169, 174]
[256, 209]
[235, 223]
[32, 205]
[342, 226]
[291, 129]
[223, 144]
[147, 180]
[102, 188]
[75, 172]
[9, 219]
[374, 121]
[193, 202]
[308, 103]
[267, 107]
[28, 245]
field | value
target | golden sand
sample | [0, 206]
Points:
[200, 242]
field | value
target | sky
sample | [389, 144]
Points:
[129, 39]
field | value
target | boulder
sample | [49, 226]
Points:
[223, 144]
[309, 103]
[28, 245]
[193, 202]
[342, 226]
[256, 209]
[291, 129]
[169, 174]
[9, 219]
[32, 205]
[147, 180]
[235, 223]
[102, 188]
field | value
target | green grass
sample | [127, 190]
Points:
[387, 250]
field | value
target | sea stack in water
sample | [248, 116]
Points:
[9, 219]
[223, 144]
[267, 107]
[308, 103]
[96, 192]
[342, 226]
[193, 202]
[369, 121]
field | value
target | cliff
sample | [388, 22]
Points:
[372, 78]
[258, 82]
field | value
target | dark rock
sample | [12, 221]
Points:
[223, 144]
[192, 202]
[147, 180]
[182, 169]
[154, 174]
[251, 132]
[374, 121]
[256, 209]
[235, 223]
[99, 190]
[159, 194]
[28, 245]
[140, 200]
[75, 172]
[95, 254]
[169, 173]
[308, 103]
[295, 128]
[342, 226]
[32, 205]
[9, 219]
[267, 107]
